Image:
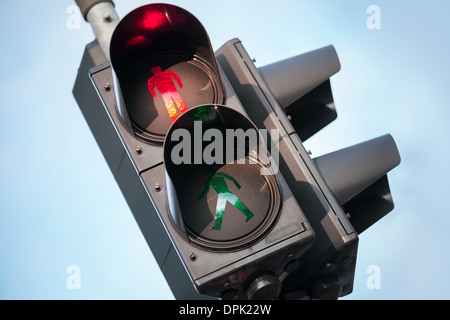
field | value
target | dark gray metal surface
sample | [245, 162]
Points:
[342, 193]
[351, 170]
[336, 240]
[292, 78]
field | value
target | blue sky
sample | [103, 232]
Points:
[60, 205]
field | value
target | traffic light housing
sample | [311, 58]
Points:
[208, 152]
[302, 87]
[232, 226]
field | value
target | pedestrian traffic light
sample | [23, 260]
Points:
[208, 152]
[152, 49]
[189, 161]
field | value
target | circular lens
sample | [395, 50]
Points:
[229, 206]
[159, 90]
[222, 193]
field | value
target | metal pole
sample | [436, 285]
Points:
[103, 18]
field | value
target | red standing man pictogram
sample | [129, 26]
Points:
[163, 82]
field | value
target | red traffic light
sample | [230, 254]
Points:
[164, 65]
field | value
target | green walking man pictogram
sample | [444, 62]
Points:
[217, 181]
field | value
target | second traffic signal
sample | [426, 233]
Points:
[342, 193]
